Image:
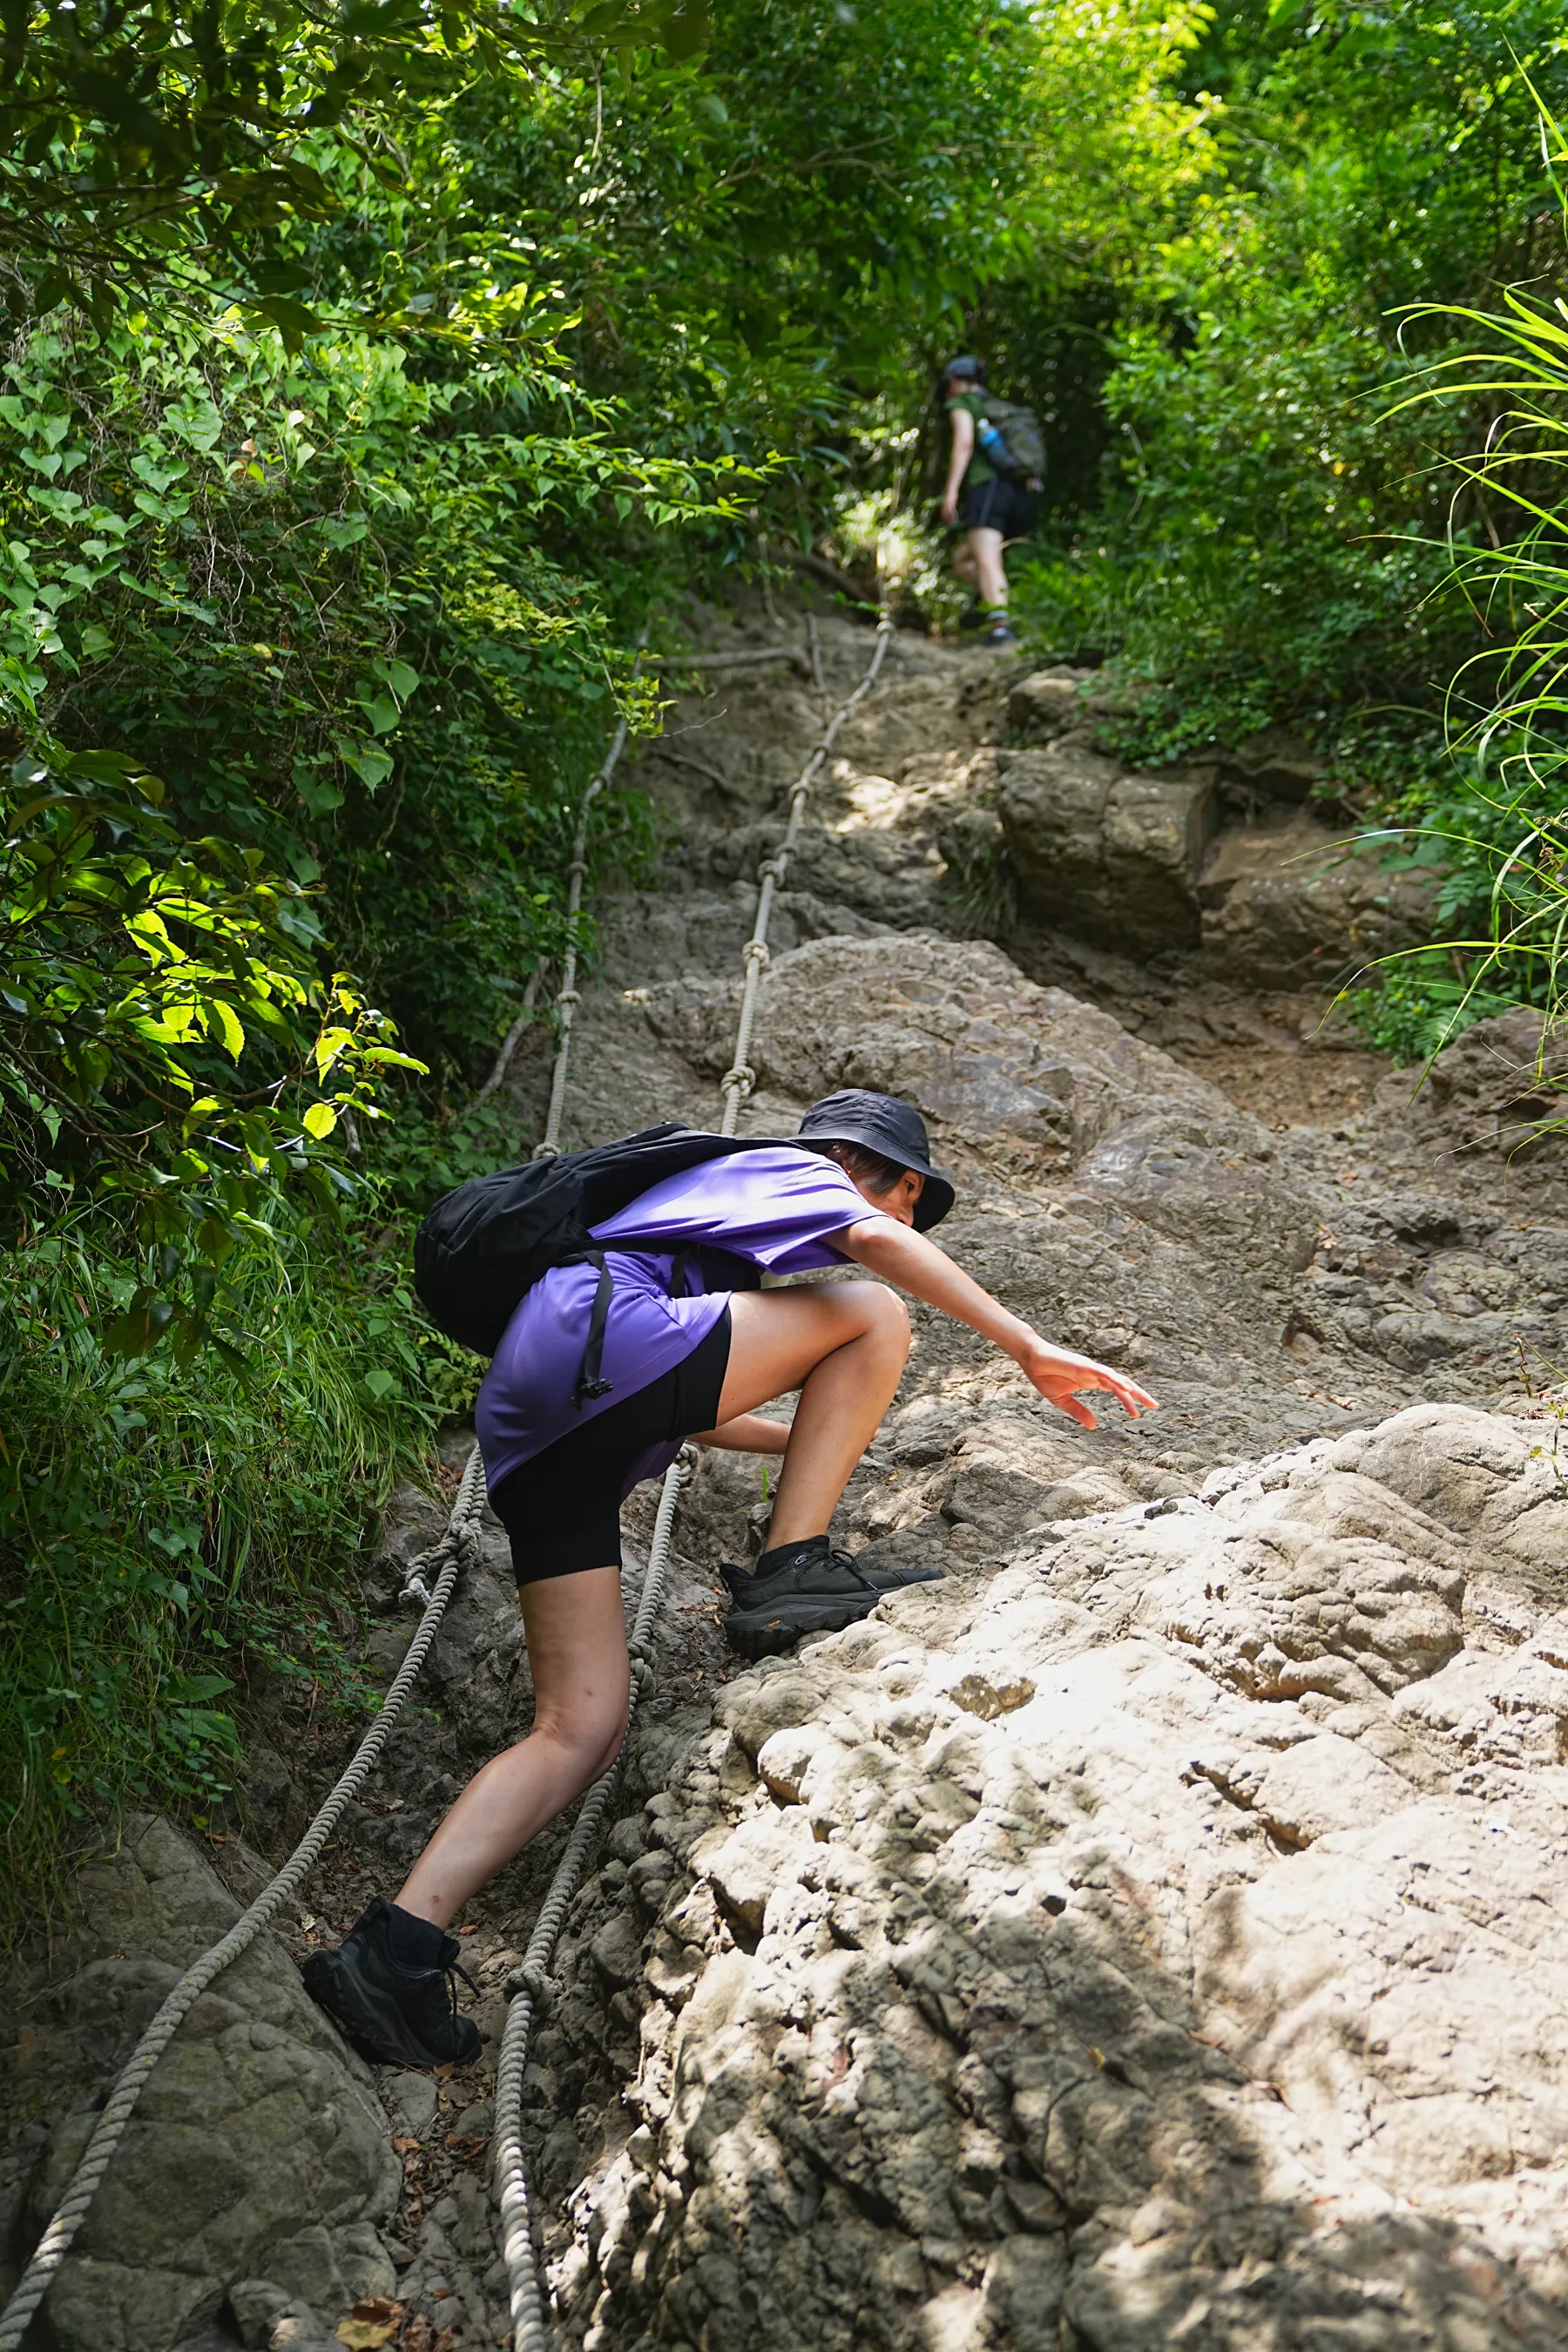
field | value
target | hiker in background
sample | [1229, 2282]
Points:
[996, 467]
[583, 1400]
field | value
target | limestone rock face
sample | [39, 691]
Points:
[1287, 903]
[1048, 703]
[258, 2150]
[1219, 855]
[1110, 855]
[1206, 1982]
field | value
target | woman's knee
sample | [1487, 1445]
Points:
[885, 1316]
[588, 1737]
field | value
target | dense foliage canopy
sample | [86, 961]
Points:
[374, 378]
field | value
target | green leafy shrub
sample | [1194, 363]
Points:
[159, 1533]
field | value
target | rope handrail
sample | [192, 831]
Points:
[530, 1987]
[451, 1549]
[739, 1078]
[531, 1983]
[567, 999]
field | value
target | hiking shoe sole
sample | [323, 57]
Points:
[370, 2020]
[766, 1632]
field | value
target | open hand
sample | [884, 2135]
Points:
[1057, 1374]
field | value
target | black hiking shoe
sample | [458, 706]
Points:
[888, 1578]
[389, 1990]
[795, 1589]
[999, 634]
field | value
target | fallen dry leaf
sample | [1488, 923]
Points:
[377, 2306]
[405, 2144]
[366, 2335]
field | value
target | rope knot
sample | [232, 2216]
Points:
[569, 996]
[738, 1081]
[756, 952]
[641, 1671]
[530, 1978]
[546, 1152]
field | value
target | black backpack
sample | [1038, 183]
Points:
[482, 1248]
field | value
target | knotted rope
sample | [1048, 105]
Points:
[739, 1078]
[531, 1985]
[457, 1545]
[568, 999]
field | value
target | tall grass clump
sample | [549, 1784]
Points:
[1500, 824]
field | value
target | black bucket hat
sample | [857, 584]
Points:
[894, 1129]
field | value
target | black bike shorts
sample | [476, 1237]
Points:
[562, 1508]
[998, 505]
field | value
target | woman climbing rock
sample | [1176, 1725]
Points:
[690, 1348]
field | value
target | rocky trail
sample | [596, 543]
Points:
[1156, 1932]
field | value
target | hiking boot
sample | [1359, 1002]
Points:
[999, 633]
[887, 1578]
[795, 1589]
[389, 1990]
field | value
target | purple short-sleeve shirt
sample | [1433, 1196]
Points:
[777, 1208]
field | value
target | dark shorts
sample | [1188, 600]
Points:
[998, 505]
[562, 1510]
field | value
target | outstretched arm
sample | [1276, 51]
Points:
[901, 1256]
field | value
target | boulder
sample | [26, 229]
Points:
[1197, 1986]
[1502, 1086]
[1276, 764]
[1048, 703]
[259, 2152]
[1287, 903]
[1106, 853]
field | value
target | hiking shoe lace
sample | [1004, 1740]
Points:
[390, 1990]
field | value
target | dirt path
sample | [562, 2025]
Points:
[1151, 1933]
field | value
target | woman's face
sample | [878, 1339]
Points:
[899, 1202]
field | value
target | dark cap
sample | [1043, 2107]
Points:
[968, 366]
[881, 1123]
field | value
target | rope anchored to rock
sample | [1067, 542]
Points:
[568, 997]
[530, 1987]
[741, 1078]
[531, 1993]
[456, 1546]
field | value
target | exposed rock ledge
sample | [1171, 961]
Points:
[1160, 1939]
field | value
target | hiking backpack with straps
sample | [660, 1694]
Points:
[1021, 454]
[482, 1248]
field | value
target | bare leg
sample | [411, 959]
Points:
[963, 561]
[577, 1649]
[844, 1346]
[984, 550]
